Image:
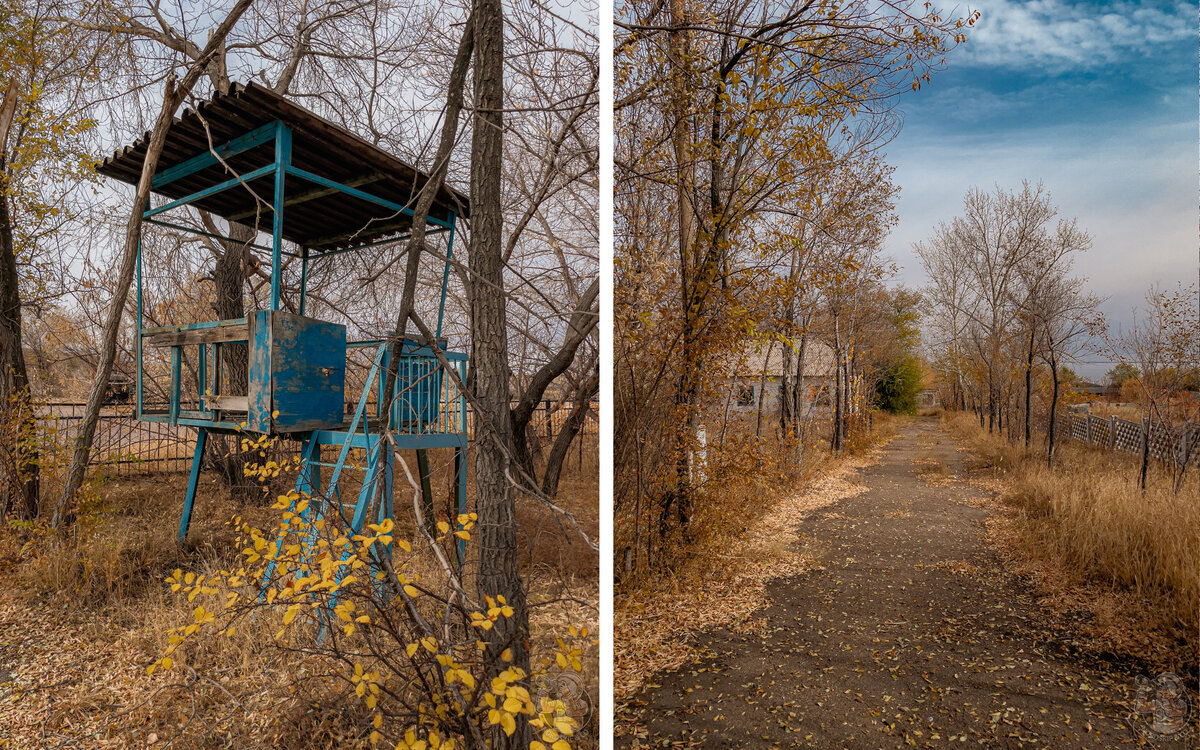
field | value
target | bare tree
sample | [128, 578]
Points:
[1064, 314]
[979, 263]
[173, 95]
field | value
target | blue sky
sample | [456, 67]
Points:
[1098, 101]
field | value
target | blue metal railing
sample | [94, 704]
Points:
[426, 401]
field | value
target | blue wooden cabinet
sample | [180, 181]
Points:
[297, 373]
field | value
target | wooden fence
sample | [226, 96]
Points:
[1115, 434]
[128, 447]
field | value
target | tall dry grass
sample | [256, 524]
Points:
[1135, 555]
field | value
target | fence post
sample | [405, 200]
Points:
[1112, 432]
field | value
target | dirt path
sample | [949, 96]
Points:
[910, 634]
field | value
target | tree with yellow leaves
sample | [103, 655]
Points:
[730, 118]
[44, 71]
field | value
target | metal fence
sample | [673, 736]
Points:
[127, 447]
[1116, 434]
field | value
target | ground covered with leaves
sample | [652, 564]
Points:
[907, 629]
[83, 617]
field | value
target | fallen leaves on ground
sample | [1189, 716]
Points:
[651, 627]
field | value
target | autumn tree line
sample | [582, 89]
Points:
[1008, 315]
[753, 198]
[498, 96]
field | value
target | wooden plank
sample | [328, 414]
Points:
[227, 403]
[219, 335]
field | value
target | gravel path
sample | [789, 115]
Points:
[910, 634]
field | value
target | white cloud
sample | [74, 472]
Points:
[1033, 34]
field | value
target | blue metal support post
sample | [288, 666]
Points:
[460, 497]
[283, 160]
[185, 518]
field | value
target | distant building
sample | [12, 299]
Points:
[929, 399]
[759, 372]
[1092, 389]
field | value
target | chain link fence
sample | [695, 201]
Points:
[1177, 446]
[127, 447]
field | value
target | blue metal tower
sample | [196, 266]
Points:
[256, 159]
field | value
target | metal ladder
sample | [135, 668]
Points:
[309, 478]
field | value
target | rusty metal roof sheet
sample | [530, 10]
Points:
[313, 216]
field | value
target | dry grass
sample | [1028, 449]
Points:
[745, 537]
[82, 617]
[1127, 562]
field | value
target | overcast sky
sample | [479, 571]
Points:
[1096, 100]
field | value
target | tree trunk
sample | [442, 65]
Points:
[1052, 432]
[991, 400]
[762, 387]
[229, 276]
[15, 404]
[1028, 386]
[838, 387]
[570, 430]
[786, 391]
[173, 95]
[499, 572]
[798, 389]
[583, 322]
[429, 191]
[1147, 426]
[679, 43]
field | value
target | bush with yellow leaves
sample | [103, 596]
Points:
[395, 625]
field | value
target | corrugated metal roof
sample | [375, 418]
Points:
[313, 216]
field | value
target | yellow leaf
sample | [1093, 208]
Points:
[291, 613]
[508, 724]
[167, 662]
